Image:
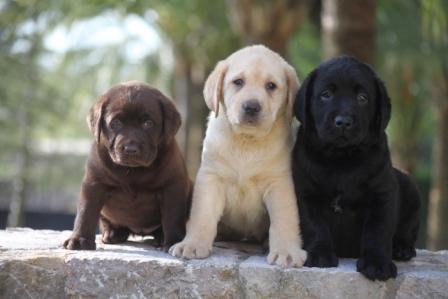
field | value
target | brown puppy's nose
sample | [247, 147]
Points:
[251, 107]
[131, 149]
[343, 121]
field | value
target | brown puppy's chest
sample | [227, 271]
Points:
[139, 210]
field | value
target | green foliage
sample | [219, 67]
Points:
[199, 29]
[435, 34]
[304, 49]
[435, 22]
[402, 62]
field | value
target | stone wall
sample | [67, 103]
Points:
[33, 265]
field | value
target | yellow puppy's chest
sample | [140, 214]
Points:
[245, 210]
[245, 172]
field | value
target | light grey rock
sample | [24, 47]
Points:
[33, 264]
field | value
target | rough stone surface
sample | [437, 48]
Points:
[34, 265]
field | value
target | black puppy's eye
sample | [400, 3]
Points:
[362, 98]
[238, 82]
[326, 94]
[116, 124]
[148, 124]
[271, 86]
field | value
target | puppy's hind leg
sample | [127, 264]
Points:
[206, 210]
[112, 234]
[403, 246]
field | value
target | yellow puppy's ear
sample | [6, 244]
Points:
[293, 86]
[213, 87]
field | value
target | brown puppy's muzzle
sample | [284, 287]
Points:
[131, 149]
[131, 153]
[251, 111]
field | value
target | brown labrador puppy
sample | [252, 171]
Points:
[136, 181]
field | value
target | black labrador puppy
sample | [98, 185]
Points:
[352, 202]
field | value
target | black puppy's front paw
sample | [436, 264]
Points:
[403, 252]
[79, 243]
[376, 268]
[321, 259]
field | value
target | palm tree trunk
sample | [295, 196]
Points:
[189, 101]
[349, 28]
[20, 184]
[271, 23]
[23, 158]
[438, 202]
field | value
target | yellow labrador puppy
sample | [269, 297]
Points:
[244, 188]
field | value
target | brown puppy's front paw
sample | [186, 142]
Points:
[376, 268]
[79, 243]
[287, 257]
[190, 250]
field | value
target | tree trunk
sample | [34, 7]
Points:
[349, 28]
[407, 122]
[267, 22]
[189, 101]
[180, 96]
[20, 184]
[23, 158]
[438, 202]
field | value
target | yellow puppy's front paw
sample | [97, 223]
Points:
[287, 257]
[190, 250]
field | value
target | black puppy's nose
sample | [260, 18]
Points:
[251, 107]
[343, 122]
[131, 149]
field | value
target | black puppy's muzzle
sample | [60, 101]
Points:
[251, 110]
[343, 122]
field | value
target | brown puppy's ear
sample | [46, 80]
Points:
[213, 87]
[303, 98]
[171, 120]
[292, 82]
[384, 106]
[95, 117]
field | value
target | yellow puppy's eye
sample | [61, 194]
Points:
[271, 86]
[238, 82]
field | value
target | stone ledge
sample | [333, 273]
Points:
[33, 265]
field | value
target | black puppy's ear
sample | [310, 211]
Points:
[171, 120]
[384, 106]
[303, 97]
[95, 117]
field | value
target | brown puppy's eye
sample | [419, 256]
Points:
[326, 94]
[116, 124]
[362, 98]
[238, 82]
[148, 124]
[271, 86]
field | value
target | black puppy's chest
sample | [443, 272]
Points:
[341, 189]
